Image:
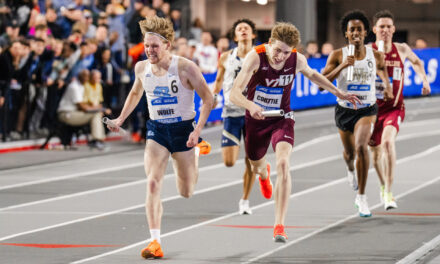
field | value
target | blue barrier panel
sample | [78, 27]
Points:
[306, 94]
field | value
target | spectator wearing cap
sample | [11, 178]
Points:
[11, 34]
[91, 28]
[69, 16]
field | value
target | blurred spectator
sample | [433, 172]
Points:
[420, 43]
[93, 96]
[74, 111]
[9, 62]
[135, 34]
[102, 19]
[69, 16]
[206, 54]
[326, 49]
[176, 19]
[192, 47]
[196, 29]
[312, 49]
[222, 45]
[38, 93]
[166, 8]
[182, 48]
[91, 28]
[51, 18]
[157, 5]
[11, 34]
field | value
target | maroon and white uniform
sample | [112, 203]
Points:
[270, 89]
[391, 112]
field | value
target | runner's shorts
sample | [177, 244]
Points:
[346, 118]
[233, 128]
[260, 133]
[172, 136]
[392, 117]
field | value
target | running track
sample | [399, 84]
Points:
[87, 207]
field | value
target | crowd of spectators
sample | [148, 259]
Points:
[46, 45]
[54, 49]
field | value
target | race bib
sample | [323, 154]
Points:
[164, 107]
[380, 87]
[397, 73]
[269, 98]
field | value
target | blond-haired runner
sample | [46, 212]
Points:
[391, 113]
[230, 63]
[169, 82]
[268, 72]
[355, 124]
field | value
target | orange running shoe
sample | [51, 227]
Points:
[153, 250]
[279, 235]
[205, 147]
[266, 185]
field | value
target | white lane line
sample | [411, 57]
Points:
[313, 189]
[216, 166]
[419, 253]
[113, 187]
[139, 164]
[310, 190]
[297, 167]
[426, 184]
[76, 175]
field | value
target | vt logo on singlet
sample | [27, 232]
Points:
[283, 80]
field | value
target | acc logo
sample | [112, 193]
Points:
[150, 134]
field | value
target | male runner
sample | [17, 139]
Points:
[229, 66]
[169, 82]
[268, 72]
[391, 113]
[355, 125]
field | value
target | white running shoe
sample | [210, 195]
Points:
[352, 180]
[389, 202]
[243, 207]
[362, 205]
[382, 193]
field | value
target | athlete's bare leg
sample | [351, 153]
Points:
[155, 160]
[379, 161]
[348, 154]
[248, 180]
[259, 167]
[283, 184]
[186, 168]
[230, 155]
[362, 135]
[389, 147]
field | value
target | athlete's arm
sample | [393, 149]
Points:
[334, 66]
[382, 72]
[406, 52]
[220, 75]
[322, 81]
[250, 65]
[133, 97]
[192, 77]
